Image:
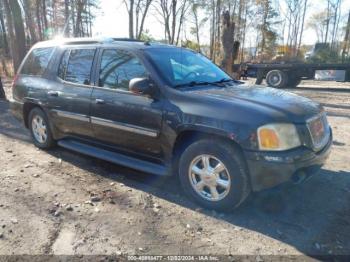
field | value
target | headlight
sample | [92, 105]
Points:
[278, 137]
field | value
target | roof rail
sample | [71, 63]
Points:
[82, 40]
[127, 39]
[99, 40]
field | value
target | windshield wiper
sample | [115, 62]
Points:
[226, 80]
[192, 83]
[216, 83]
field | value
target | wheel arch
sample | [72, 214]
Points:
[27, 108]
[188, 136]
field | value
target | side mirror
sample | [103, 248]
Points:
[141, 86]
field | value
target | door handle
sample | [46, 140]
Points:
[99, 101]
[53, 93]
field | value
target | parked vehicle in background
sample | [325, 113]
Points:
[283, 75]
[168, 110]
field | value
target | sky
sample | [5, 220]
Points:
[112, 20]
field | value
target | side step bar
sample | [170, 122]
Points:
[113, 157]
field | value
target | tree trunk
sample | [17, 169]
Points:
[148, 4]
[131, 19]
[244, 33]
[212, 32]
[346, 38]
[337, 14]
[4, 34]
[217, 46]
[302, 25]
[228, 30]
[328, 20]
[66, 18]
[195, 15]
[38, 19]
[73, 13]
[44, 12]
[20, 37]
[173, 22]
[27, 5]
[78, 25]
[182, 18]
[263, 28]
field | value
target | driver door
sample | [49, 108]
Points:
[119, 117]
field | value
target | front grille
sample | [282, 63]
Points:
[319, 130]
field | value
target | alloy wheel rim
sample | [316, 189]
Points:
[209, 177]
[39, 129]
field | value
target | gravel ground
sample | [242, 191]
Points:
[60, 202]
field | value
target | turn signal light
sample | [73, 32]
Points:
[268, 138]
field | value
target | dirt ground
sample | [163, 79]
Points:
[61, 202]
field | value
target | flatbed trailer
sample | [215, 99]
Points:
[284, 75]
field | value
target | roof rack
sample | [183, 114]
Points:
[86, 41]
[68, 41]
[127, 40]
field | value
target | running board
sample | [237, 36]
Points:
[113, 157]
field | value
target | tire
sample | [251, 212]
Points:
[293, 82]
[259, 77]
[277, 79]
[235, 170]
[38, 123]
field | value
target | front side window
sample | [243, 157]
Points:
[37, 61]
[118, 67]
[75, 66]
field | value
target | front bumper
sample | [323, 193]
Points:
[269, 169]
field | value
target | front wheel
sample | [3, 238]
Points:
[40, 129]
[214, 174]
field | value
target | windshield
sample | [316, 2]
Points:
[181, 66]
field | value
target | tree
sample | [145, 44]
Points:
[228, 30]
[198, 23]
[317, 22]
[296, 13]
[346, 38]
[16, 31]
[142, 8]
[4, 41]
[173, 15]
[130, 7]
[137, 13]
[29, 15]
[267, 15]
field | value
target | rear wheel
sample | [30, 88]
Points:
[277, 79]
[293, 82]
[214, 174]
[40, 129]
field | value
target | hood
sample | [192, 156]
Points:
[293, 108]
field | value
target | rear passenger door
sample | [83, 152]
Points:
[70, 99]
[119, 117]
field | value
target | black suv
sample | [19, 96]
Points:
[168, 110]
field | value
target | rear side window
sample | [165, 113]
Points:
[37, 61]
[75, 66]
